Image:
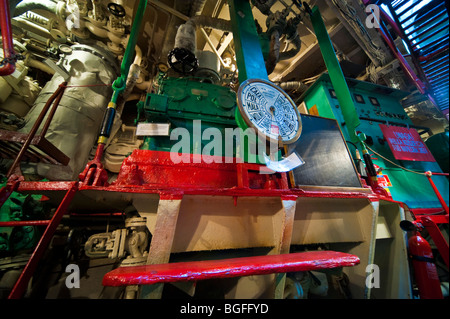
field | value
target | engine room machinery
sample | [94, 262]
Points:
[188, 173]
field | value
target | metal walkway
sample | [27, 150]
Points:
[425, 25]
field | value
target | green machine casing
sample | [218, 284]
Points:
[376, 104]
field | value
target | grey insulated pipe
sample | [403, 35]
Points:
[27, 5]
[209, 22]
[274, 52]
[292, 86]
[197, 7]
[186, 37]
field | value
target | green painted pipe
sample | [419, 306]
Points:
[120, 83]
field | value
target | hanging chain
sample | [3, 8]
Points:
[12, 59]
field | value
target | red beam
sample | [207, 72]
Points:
[17, 223]
[22, 283]
[227, 268]
[177, 193]
[426, 211]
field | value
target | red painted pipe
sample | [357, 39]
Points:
[17, 223]
[8, 45]
[440, 174]
[387, 18]
[22, 283]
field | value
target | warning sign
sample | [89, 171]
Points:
[384, 181]
[406, 144]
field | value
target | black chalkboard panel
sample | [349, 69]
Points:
[327, 159]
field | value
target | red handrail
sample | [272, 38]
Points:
[438, 194]
[7, 39]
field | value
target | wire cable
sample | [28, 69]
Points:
[408, 170]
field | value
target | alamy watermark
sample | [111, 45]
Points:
[373, 17]
[215, 146]
[372, 276]
[73, 19]
[73, 279]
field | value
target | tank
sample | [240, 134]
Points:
[75, 125]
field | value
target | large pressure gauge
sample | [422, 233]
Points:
[268, 109]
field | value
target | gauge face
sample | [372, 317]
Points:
[269, 110]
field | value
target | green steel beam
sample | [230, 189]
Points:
[249, 56]
[337, 77]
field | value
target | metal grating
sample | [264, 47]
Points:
[425, 24]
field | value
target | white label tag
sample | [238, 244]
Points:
[153, 129]
[286, 164]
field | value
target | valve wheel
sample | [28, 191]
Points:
[116, 9]
[182, 61]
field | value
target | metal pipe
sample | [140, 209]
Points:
[119, 85]
[211, 45]
[215, 23]
[20, 223]
[7, 39]
[197, 20]
[57, 95]
[391, 22]
[274, 52]
[27, 5]
[197, 7]
[291, 86]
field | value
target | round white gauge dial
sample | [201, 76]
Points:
[269, 110]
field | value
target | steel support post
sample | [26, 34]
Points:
[336, 75]
[162, 240]
[249, 57]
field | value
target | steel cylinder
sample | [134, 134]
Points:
[77, 120]
[425, 272]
